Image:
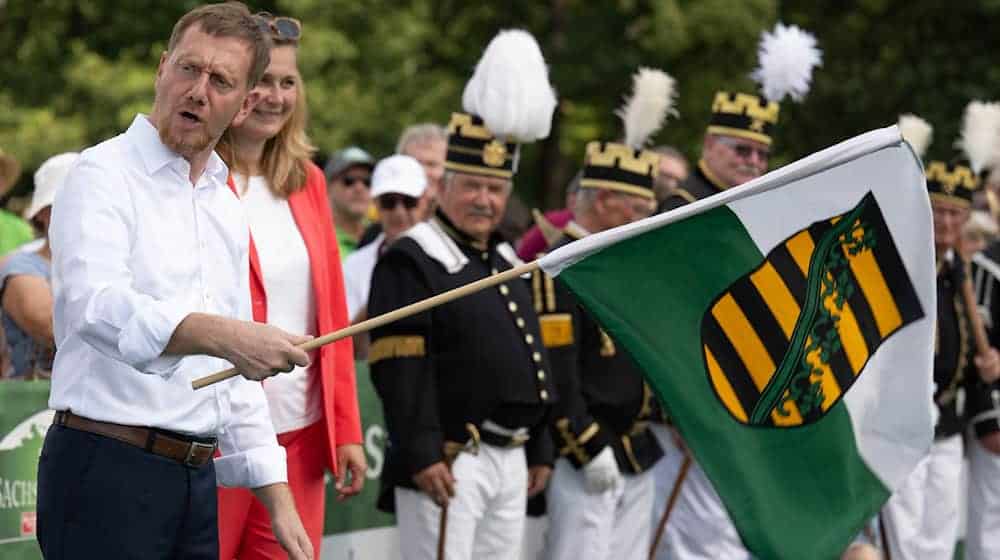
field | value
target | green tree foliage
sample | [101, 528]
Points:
[77, 71]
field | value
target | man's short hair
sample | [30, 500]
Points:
[419, 134]
[670, 151]
[229, 19]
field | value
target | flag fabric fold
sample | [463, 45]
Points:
[788, 327]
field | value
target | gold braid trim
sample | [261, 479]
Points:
[396, 347]
[627, 446]
[575, 444]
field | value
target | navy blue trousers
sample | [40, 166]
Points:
[101, 498]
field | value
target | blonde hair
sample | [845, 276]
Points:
[283, 162]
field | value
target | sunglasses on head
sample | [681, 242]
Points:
[745, 150]
[350, 180]
[280, 27]
[391, 200]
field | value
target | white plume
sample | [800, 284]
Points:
[652, 100]
[980, 135]
[917, 132]
[786, 57]
[510, 88]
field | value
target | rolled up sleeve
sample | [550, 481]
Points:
[251, 456]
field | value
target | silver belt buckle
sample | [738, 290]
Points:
[194, 446]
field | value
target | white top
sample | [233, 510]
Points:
[135, 249]
[293, 398]
[358, 269]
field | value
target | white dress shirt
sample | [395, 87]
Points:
[293, 398]
[135, 249]
[359, 267]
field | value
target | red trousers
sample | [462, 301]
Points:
[244, 524]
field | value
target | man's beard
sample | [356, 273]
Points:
[195, 143]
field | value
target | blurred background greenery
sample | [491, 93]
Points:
[74, 72]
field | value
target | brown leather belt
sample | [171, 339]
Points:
[187, 452]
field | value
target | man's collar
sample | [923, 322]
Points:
[156, 155]
[710, 177]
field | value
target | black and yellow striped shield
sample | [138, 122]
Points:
[786, 341]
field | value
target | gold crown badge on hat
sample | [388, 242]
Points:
[786, 58]
[472, 148]
[626, 166]
[507, 101]
[952, 182]
[979, 140]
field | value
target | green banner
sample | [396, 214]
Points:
[24, 417]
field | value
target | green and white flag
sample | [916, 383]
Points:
[788, 326]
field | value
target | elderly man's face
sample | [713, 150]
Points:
[949, 217]
[733, 160]
[201, 88]
[431, 156]
[475, 203]
[671, 173]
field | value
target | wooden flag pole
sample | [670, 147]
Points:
[972, 310]
[681, 475]
[386, 318]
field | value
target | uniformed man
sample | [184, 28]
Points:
[466, 387]
[736, 147]
[921, 517]
[983, 515]
[601, 493]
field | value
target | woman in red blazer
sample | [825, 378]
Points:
[296, 284]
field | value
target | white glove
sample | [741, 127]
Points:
[601, 473]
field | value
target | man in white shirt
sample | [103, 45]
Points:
[150, 282]
[399, 189]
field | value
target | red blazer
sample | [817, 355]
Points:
[335, 365]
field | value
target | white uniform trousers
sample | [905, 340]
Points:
[982, 533]
[485, 517]
[611, 525]
[921, 517]
[699, 526]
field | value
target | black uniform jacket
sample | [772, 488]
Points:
[984, 406]
[697, 186]
[955, 373]
[475, 358]
[603, 397]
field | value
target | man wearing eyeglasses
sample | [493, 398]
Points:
[735, 150]
[399, 187]
[151, 289]
[348, 177]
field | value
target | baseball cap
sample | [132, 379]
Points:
[48, 179]
[342, 159]
[399, 174]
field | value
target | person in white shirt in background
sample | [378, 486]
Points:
[151, 290]
[399, 188]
